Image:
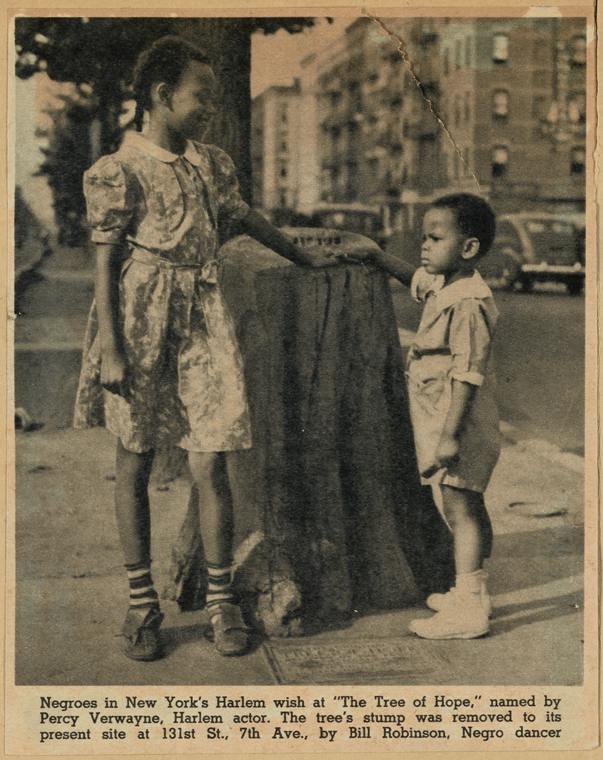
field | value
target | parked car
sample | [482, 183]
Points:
[362, 218]
[536, 247]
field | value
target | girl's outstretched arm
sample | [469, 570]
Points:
[109, 258]
[267, 234]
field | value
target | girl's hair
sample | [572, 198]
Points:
[164, 61]
[474, 217]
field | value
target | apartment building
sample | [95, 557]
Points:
[514, 104]
[275, 154]
[392, 113]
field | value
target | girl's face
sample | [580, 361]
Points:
[192, 101]
[443, 242]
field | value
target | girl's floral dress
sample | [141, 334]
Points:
[184, 369]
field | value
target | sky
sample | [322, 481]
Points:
[275, 58]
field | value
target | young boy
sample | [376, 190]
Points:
[451, 391]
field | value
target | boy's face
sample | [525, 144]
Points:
[192, 101]
[443, 242]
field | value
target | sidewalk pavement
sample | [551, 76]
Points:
[71, 590]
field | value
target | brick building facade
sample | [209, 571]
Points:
[390, 114]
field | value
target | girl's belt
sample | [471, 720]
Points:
[207, 272]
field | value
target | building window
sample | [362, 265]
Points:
[578, 160]
[458, 54]
[577, 107]
[578, 50]
[500, 161]
[446, 61]
[500, 104]
[540, 107]
[468, 51]
[467, 106]
[284, 115]
[457, 110]
[500, 47]
[283, 170]
[283, 198]
[467, 166]
[540, 51]
[284, 146]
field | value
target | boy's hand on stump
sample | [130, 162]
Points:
[315, 258]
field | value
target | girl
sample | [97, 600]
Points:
[161, 364]
[453, 410]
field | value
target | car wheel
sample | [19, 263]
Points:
[526, 284]
[501, 268]
[574, 287]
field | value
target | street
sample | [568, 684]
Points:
[65, 485]
[539, 360]
[539, 352]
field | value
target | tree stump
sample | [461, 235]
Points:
[328, 502]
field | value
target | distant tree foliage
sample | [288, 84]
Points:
[99, 54]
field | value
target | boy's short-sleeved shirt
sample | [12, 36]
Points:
[458, 319]
[454, 343]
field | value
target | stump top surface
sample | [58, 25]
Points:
[245, 250]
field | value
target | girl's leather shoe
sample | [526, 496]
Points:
[141, 631]
[231, 634]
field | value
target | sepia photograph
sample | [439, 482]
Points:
[299, 359]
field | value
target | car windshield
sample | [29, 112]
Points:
[548, 226]
[356, 221]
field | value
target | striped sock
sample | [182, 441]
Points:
[142, 591]
[219, 589]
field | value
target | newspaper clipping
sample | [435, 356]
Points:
[302, 366]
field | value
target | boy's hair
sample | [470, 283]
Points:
[164, 61]
[474, 217]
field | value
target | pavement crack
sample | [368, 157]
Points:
[406, 58]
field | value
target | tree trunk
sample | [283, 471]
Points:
[329, 497]
[227, 41]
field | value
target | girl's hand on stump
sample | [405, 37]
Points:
[363, 251]
[114, 374]
[315, 258]
[447, 451]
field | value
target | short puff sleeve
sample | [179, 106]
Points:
[470, 337]
[229, 200]
[110, 192]
[423, 282]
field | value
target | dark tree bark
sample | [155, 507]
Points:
[330, 489]
[227, 42]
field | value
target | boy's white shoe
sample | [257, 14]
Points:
[463, 617]
[438, 602]
[463, 612]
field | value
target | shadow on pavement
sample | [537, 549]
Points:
[525, 613]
